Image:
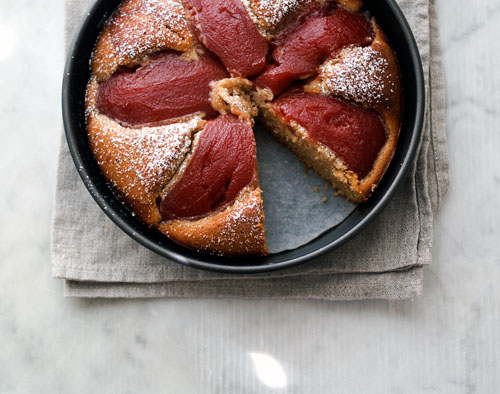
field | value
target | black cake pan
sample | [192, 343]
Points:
[76, 76]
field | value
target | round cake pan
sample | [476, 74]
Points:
[77, 74]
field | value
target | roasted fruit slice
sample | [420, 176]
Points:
[140, 28]
[139, 162]
[345, 143]
[167, 87]
[214, 201]
[226, 29]
[223, 162]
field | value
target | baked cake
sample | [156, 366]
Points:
[176, 86]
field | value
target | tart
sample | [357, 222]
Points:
[177, 85]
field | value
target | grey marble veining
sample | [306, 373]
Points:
[448, 341]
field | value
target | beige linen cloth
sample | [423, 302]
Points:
[385, 261]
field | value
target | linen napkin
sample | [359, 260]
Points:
[385, 261]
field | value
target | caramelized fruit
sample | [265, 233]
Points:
[167, 87]
[300, 51]
[223, 164]
[355, 134]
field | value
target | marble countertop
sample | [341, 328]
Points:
[447, 341]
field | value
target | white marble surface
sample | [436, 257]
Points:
[448, 341]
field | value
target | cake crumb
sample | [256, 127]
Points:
[316, 189]
[232, 95]
[326, 186]
[323, 199]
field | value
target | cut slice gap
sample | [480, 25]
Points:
[126, 37]
[295, 212]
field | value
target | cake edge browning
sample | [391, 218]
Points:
[159, 25]
[391, 113]
[236, 230]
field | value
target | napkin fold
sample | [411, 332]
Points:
[385, 261]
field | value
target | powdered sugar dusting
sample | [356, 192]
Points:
[245, 216]
[140, 159]
[271, 12]
[158, 22]
[360, 74]
[139, 27]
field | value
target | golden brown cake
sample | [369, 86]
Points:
[176, 86]
[139, 28]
